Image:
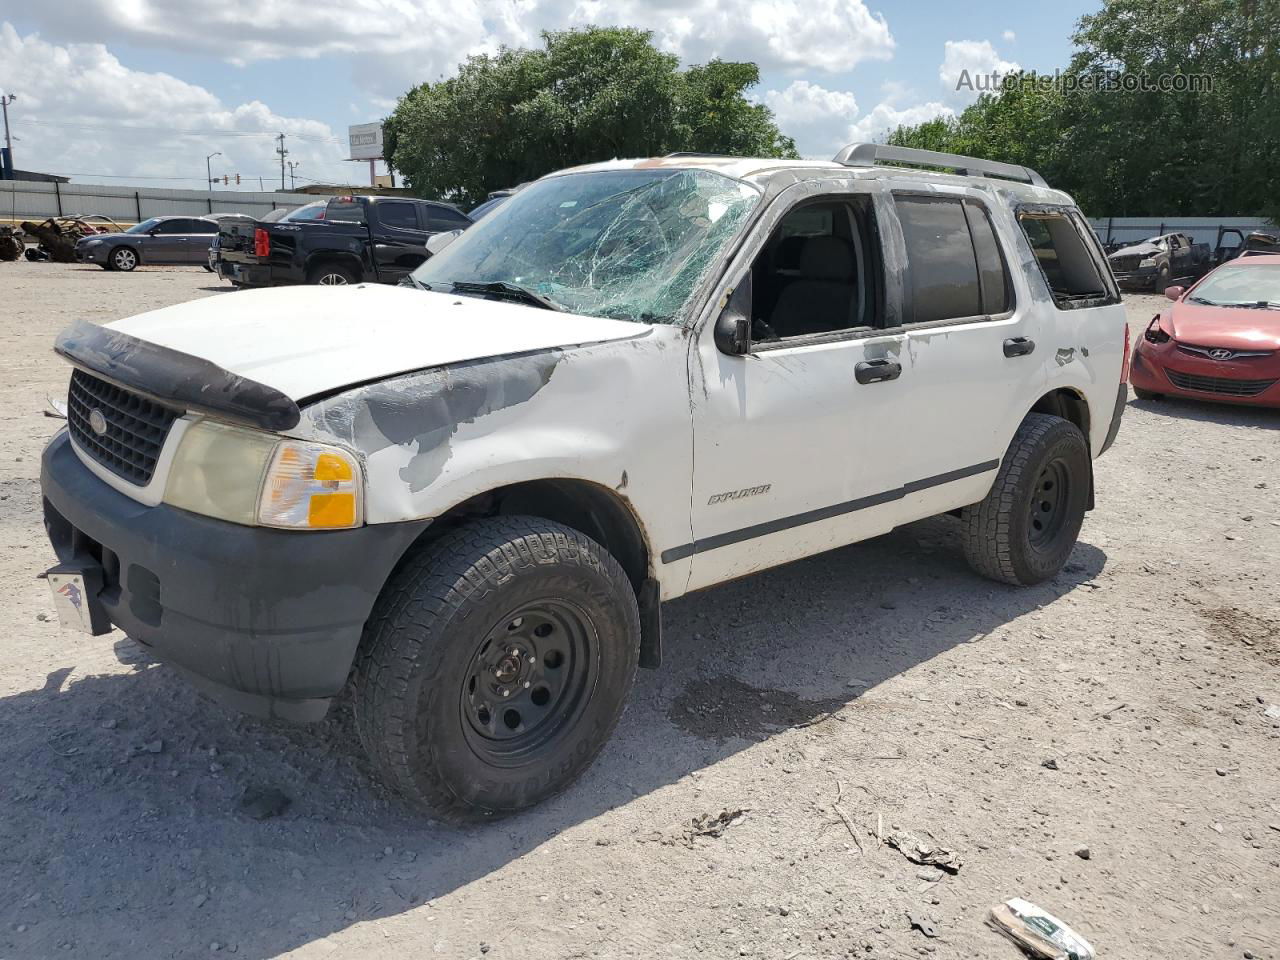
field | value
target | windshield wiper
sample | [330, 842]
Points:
[508, 291]
[1207, 303]
[409, 280]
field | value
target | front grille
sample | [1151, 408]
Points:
[1219, 385]
[1124, 264]
[135, 427]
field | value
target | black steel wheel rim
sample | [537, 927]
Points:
[1050, 503]
[529, 681]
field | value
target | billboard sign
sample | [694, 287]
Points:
[366, 141]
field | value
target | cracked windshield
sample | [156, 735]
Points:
[625, 244]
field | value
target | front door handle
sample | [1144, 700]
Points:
[875, 371]
[1018, 347]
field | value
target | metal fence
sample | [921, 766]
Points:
[33, 200]
[1126, 230]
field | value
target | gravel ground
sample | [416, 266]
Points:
[876, 689]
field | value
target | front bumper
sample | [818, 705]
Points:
[1155, 365]
[1140, 278]
[97, 253]
[266, 621]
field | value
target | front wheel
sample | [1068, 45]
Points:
[495, 666]
[123, 258]
[1024, 529]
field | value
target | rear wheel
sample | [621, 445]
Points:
[1024, 529]
[332, 275]
[495, 666]
[123, 258]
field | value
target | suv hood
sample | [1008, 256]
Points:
[306, 341]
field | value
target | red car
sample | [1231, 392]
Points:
[1219, 340]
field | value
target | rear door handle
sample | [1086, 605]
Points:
[1018, 347]
[875, 371]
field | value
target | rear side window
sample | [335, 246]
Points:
[1072, 265]
[398, 214]
[993, 275]
[203, 226]
[942, 271]
[345, 210]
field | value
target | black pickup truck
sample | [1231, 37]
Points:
[346, 240]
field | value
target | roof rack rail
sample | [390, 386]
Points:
[697, 153]
[869, 154]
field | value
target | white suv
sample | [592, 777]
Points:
[630, 381]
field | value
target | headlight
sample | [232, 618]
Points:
[249, 477]
[1149, 262]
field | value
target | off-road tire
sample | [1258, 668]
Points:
[427, 630]
[123, 258]
[999, 539]
[1162, 280]
[332, 274]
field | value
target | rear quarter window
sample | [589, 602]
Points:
[1069, 257]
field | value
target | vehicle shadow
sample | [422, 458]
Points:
[122, 793]
[1207, 411]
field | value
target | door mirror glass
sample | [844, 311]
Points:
[1174, 292]
[733, 326]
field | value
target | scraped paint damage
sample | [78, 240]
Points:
[421, 412]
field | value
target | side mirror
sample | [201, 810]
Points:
[154, 231]
[1174, 292]
[733, 326]
[439, 241]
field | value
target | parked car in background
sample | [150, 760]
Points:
[1219, 340]
[640, 378]
[245, 222]
[158, 241]
[1156, 262]
[495, 199]
[339, 241]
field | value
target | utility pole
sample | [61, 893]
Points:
[208, 170]
[283, 153]
[293, 183]
[4, 104]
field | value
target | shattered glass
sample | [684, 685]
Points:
[624, 244]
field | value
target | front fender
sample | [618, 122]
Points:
[613, 414]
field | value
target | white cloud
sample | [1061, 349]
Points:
[822, 121]
[392, 44]
[91, 114]
[1008, 36]
[964, 62]
[884, 118]
[807, 104]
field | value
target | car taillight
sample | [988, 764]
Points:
[261, 243]
[1124, 366]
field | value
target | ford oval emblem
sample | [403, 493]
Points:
[97, 422]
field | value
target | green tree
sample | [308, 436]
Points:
[586, 95]
[1134, 152]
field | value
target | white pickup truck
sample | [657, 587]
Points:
[632, 380]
